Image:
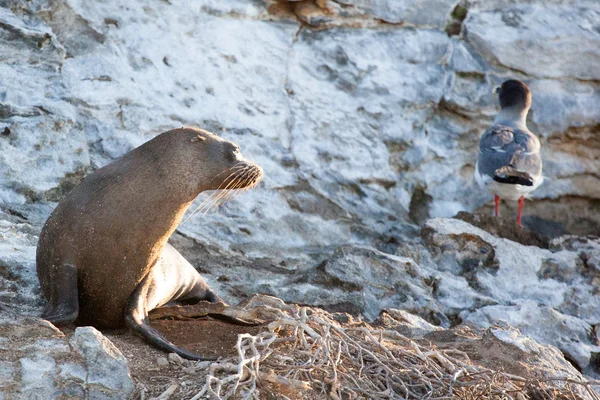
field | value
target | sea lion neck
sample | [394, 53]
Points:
[159, 188]
[137, 196]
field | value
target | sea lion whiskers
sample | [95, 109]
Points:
[254, 178]
[246, 179]
[234, 191]
[208, 203]
[243, 176]
[235, 184]
[216, 191]
[233, 181]
[231, 194]
[238, 165]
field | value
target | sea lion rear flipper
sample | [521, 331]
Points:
[63, 303]
[136, 319]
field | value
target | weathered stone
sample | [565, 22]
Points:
[18, 280]
[379, 280]
[107, 371]
[335, 117]
[560, 41]
[427, 13]
[39, 362]
[549, 295]
[507, 349]
[406, 323]
[546, 325]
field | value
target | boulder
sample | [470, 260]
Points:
[40, 362]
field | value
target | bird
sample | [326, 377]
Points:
[509, 163]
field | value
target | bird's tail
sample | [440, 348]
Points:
[512, 176]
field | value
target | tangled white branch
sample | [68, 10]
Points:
[311, 352]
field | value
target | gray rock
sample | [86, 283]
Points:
[381, 108]
[569, 334]
[380, 280]
[560, 41]
[41, 363]
[176, 359]
[505, 348]
[406, 323]
[349, 124]
[547, 294]
[107, 371]
[162, 361]
[19, 287]
[428, 13]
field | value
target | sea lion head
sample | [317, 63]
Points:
[216, 163]
[209, 162]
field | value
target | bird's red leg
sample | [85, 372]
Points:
[520, 212]
[497, 202]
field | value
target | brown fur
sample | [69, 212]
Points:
[112, 229]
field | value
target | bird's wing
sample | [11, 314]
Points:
[509, 151]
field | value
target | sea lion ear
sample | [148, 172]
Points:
[198, 138]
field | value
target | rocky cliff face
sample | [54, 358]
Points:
[364, 114]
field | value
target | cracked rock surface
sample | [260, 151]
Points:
[40, 362]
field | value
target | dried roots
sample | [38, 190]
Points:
[311, 353]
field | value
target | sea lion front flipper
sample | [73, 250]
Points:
[136, 319]
[63, 303]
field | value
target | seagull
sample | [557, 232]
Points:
[509, 163]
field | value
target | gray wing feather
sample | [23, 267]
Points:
[502, 146]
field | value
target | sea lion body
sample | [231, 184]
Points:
[103, 257]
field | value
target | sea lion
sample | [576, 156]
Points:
[103, 257]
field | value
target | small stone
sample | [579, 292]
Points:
[203, 364]
[162, 361]
[176, 359]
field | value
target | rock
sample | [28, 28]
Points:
[176, 359]
[107, 370]
[406, 323]
[547, 33]
[547, 294]
[372, 280]
[369, 129]
[504, 228]
[32, 100]
[427, 13]
[349, 138]
[41, 363]
[505, 348]
[203, 364]
[162, 361]
[569, 334]
[19, 287]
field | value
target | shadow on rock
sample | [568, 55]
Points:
[506, 228]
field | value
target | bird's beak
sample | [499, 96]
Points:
[496, 90]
